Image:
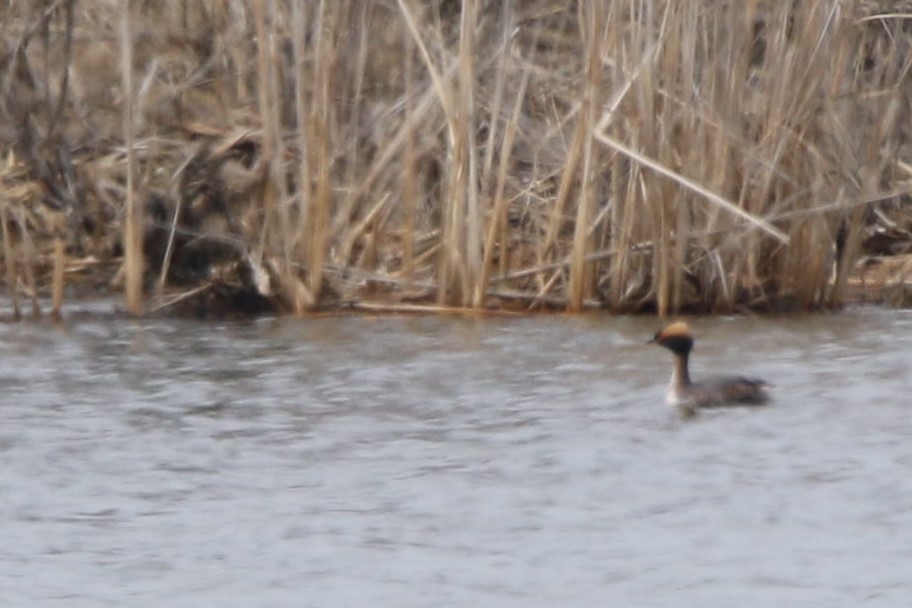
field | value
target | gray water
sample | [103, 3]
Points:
[397, 462]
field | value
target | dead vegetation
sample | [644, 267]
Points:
[245, 155]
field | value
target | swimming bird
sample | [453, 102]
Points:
[689, 395]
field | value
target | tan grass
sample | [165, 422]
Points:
[658, 155]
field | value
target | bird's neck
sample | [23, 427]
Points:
[680, 376]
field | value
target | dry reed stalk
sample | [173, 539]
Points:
[271, 155]
[181, 297]
[468, 185]
[320, 145]
[58, 278]
[579, 286]
[9, 261]
[133, 231]
[172, 233]
[409, 172]
[428, 309]
[454, 272]
[565, 191]
[301, 239]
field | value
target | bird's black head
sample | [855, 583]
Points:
[676, 337]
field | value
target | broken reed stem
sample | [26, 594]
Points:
[133, 231]
[175, 226]
[712, 197]
[169, 249]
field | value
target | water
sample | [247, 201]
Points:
[452, 462]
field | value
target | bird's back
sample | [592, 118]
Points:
[733, 390]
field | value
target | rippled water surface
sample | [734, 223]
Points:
[398, 462]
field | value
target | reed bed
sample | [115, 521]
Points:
[639, 155]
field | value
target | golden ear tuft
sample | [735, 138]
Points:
[678, 329]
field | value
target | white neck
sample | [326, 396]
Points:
[680, 379]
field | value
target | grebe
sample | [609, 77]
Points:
[682, 392]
